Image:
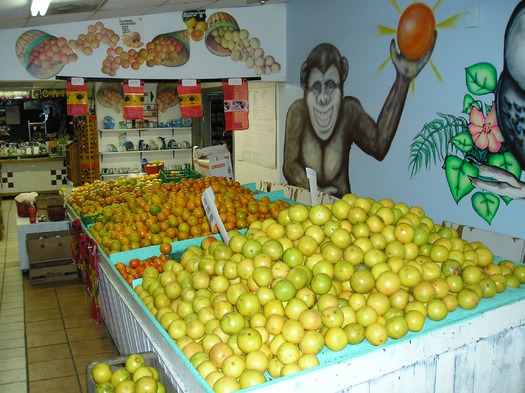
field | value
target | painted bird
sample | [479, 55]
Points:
[510, 94]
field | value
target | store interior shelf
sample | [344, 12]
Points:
[140, 130]
[103, 153]
[116, 175]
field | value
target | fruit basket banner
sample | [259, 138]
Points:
[236, 111]
[190, 98]
[77, 97]
[133, 99]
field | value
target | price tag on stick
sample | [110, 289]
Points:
[208, 203]
[69, 191]
[311, 175]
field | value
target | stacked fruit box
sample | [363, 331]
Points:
[86, 132]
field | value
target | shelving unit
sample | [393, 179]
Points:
[86, 132]
[116, 162]
[151, 114]
[140, 130]
[141, 152]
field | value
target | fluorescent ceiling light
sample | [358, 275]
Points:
[39, 6]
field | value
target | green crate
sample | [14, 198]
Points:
[89, 219]
[176, 175]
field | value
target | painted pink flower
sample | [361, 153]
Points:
[485, 131]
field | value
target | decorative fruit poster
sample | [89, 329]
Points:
[43, 55]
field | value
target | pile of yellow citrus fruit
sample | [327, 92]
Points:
[134, 375]
[330, 275]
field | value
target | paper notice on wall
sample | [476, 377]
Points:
[258, 144]
[132, 32]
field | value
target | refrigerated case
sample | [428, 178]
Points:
[210, 130]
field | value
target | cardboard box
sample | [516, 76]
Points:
[296, 194]
[213, 161]
[46, 246]
[506, 247]
[52, 270]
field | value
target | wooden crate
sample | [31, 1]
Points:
[73, 163]
[86, 132]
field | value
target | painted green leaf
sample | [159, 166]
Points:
[481, 78]
[506, 199]
[505, 161]
[432, 143]
[486, 205]
[469, 103]
[457, 172]
[463, 142]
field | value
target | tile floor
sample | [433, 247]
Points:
[47, 335]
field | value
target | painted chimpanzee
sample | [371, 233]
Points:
[322, 126]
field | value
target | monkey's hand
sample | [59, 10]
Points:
[408, 68]
[331, 190]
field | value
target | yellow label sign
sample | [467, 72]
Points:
[76, 97]
[133, 99]
[190, 99]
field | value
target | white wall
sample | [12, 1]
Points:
[352, 26]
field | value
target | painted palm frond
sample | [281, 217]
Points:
[432, 143]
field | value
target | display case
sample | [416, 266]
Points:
[446, 356]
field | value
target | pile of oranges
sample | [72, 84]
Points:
[155, 213]
[135, 267]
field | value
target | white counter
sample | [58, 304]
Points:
[23, 227]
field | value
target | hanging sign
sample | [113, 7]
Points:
[133, 99]
[235, 92]
[190, 98]
[77, 97]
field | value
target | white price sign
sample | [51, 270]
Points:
[208, 203]
[134, 82]
[69, 190]
[311, 175]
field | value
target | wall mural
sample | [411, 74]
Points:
[322, 126]
[44, 55]
[483, 152]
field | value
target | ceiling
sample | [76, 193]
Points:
[16, 13]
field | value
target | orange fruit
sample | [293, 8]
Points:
[165, 248]
[156, 239]
[155, 209]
